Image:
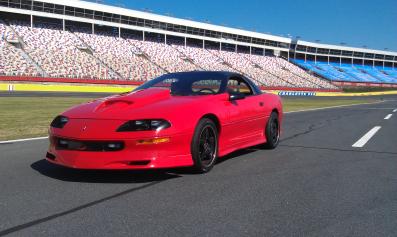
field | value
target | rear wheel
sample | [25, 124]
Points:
[204, 146]
[272, 131]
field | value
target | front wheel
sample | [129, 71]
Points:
[272, 131]
[204, 146]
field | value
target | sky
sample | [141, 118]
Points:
[356, 23]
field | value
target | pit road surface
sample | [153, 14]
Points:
[314, 184]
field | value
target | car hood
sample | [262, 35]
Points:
[143, 104]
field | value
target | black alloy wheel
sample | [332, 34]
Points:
[205, 146]
[272, 131]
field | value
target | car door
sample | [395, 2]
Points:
[246, 117]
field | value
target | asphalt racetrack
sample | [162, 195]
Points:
[334, 174]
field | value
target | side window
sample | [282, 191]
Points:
[206, 86]
[237, 86]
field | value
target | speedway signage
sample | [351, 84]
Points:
[296, 93]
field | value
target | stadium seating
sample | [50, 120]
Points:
[289, 72]
[204, 58]
[59, 53]
[165, 56]
[123, 57]
[349, 72]
[377, 72]
[271, 71]
[389, 72]
[12, 60]
[240, 63]
[47, 50]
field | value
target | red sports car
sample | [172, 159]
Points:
[176, 120]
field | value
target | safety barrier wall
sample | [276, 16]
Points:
[363, 84]
[126, 83]
[64, 87]
[68, 80]
[137, 83]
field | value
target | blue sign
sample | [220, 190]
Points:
[296, 93]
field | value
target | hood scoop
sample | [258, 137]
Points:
[134, 99]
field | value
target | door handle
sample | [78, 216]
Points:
[260, 103]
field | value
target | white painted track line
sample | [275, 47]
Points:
[394, 110]
[23, 140]
[366, 137]
[388, 116]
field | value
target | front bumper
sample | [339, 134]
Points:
[175, 152]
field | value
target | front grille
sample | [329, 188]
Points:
[75, 145]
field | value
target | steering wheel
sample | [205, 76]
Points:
[207, 89]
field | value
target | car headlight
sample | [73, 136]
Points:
[59, 121]
[144, 125]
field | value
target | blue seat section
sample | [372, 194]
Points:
[325, 70]
[362, 76]
[378, 72]
[311, 67]
[348, 72]
[318, 69]
[338, 73]
[389, 72]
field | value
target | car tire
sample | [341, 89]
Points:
[272, 131]
[204, 147]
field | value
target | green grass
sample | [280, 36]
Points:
[23, 117]
[295, 104]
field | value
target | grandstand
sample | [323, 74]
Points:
[84, 40]
[350, 72]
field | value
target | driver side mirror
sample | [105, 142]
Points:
[237, 96]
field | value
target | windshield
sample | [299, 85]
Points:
[188, 84]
